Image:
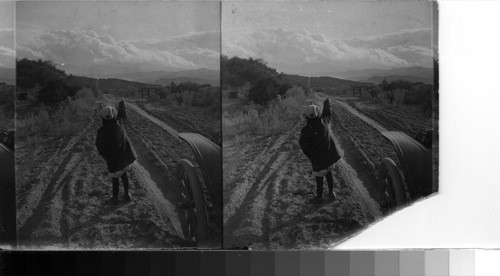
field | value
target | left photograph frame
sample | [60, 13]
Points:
[118, 133]
[8, 233]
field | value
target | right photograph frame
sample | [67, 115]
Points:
[330, 116]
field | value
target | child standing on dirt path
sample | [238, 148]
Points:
[317, 143]
[114, 146]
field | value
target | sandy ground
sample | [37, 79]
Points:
[63, 189]
[267, 187]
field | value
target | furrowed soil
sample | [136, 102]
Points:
[268, 187]
[63, 191]
[187, 119]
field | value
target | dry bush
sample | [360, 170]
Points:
[187, 97]
[174, 99]
[384, 97]
[364, 95]
[274, 119]
[32, 93]
[244, 91]
[399, 96]
[242, 138]
[233, 94]
[34, 125]
[65, 120]
[153, 97]
[297, 93]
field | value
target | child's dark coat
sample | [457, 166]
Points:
[114, 146]
[316, 140]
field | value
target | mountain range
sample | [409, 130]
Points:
[413, 74]
[199, 76]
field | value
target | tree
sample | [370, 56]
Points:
[267, 89]
[384, 85]
[237, 71]
[56, 91]
[31, 72]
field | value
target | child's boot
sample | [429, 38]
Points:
[114, 198]
[329, 180]
[319, 191]
[126, 196]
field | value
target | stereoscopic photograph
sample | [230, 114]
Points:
[7, 90]
[330, 113]
[118, 134]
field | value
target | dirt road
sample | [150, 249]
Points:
[267, 192]
[163, 125]
[62, 192]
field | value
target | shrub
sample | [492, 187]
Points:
[275, 118]
[399, 96]
[381, 97]
[56, 91]
[419, 94]
[267, 89]
[296, 92]
[206, 97]
[85, 94]
[153, 97]
[187, 97]
[426, 109]
[264, 91]
[396, 84]
[57, 121]
[233, 95]
[22, 96]
[34, 125]
[7, 100]
[237, 71]
[30, 73]
[174, 98]
[364, 95]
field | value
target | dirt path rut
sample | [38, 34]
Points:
[371, 122]
[161, 124]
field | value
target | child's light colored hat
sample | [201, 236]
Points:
[108, 113]
[311, 111]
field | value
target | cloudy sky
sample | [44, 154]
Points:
[105, 38]
[7, 23]
[313, 38]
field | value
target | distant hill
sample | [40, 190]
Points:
[167, 81]
[55, 85]
[109, 84]
[146, 77]
[8, 75]
[377, 80]
[199, 76]
[238, 71]
[320, 82]
[415, 74]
